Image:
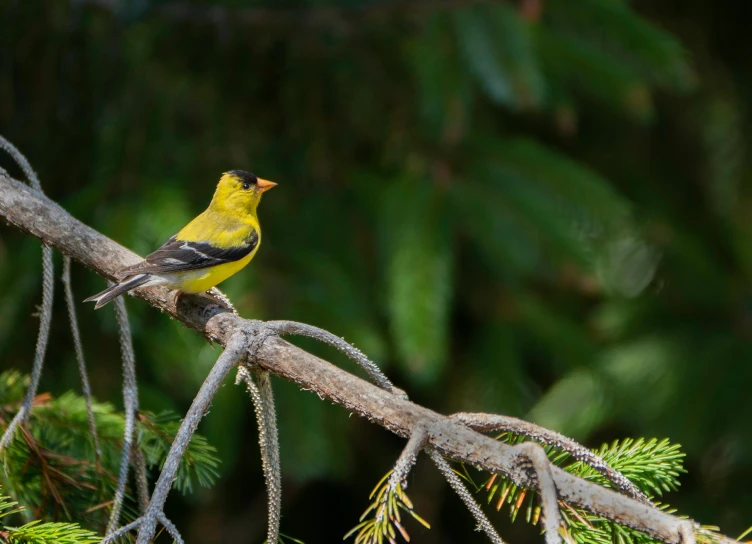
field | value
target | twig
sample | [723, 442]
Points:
[142, 482]
[303, 329]
[538, 459]
[125, 529]
[171, 529]
[45, 320]
[480, 517]
[259, 387]
[76, 333]
[235, 351]
[23, 163]
[491, 422]
[45, 314]
[408, 457]
[130, 404]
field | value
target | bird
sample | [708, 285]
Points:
[215, 245]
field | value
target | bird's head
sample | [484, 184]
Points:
[240, 191]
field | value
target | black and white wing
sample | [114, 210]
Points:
[179, 255]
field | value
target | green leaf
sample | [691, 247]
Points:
[37, 532]
[52, 466]
[477, 44]
[200, 461]
[499, 50]
[615, 27]
[444, 90]
[417, 245]
[508, 245]
[585, 67]
[575, 405]
[570, 180]
[627, 265]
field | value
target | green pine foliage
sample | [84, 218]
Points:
[383, 519]
[51, 467]
[198, 465]
[418, 248]
[652, 465]
[36, 532]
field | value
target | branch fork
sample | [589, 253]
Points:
[453, 438]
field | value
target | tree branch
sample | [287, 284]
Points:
[34, 213]
[45, 310]
[472, 505]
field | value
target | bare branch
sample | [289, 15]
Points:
[36, 214]
[259, 387]
[142, 481]
[171, 529]
[407, 458]
[472, 505]
[491, 422]
[235, 351]
[22, 162]
[76, 333]
[130, 405]
[538, 459]
[45, 313]
[303, 329]
[122, 531]
[45, 320]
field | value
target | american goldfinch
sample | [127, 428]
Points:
[209, 249]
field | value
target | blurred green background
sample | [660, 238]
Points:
[535, 208]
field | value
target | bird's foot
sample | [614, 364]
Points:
[218, 298]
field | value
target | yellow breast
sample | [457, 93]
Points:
[198, 281]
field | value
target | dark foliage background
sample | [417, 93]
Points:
[534, 208]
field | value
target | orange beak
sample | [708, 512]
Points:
[264, 185]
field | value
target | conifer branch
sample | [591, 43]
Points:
[37, 215]
[492, 422]
[390, 498]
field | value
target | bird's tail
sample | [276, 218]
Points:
[116, 290]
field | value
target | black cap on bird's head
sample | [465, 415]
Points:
[249, 181]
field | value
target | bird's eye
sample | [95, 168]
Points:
[246, 186]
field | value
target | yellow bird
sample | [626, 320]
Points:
[211, 248]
